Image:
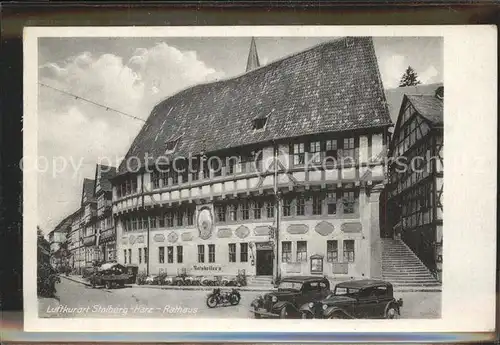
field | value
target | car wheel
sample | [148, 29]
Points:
[305, 315]
[285, 313]
[257, 316]
[336, 316]
[108, 285]
[392, 313]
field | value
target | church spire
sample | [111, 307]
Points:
[253, 57]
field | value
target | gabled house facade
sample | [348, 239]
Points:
[415, 190]
[105, 229]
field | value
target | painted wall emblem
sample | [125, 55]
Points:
[242, 231]
[159, 238]
[205, 223]
[297, 229]
[224, 233]
[352, 227]
[131, 239]
[324, 228]
[140, 239]
[187, 236]
[172, 237]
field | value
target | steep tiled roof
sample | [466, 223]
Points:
[429, 107]
[395, 96]
[88, 189]
[333, 87]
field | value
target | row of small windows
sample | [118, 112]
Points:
[326, 150]
[332, 253]
[167, 219]
[175, 254]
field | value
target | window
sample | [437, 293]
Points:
[153, 222]
[134, 223]
[164, 178]
[332, 251]
[315, 151]
[155, 179]
[232, 252]
[301, 205]
[180, 217]
[201, 253]
[286, 207]
[161, 255]
[140, 255]
[217, 165]
[179, 255]
[270, 209]
[301, 251]
[144, 222]
[170, 254]
[169, 219]
[130, 256]
[161, 221]
[286, 251]
[348, 149]
[125, 256]
[349, 201]
[259, 123]
[317, 205]
[331, 202]
[233, 212]
[190, 216]
[349, 251]
[298, 154]
[146, 255]
[243, 252]
[211, 253]
[221, 213]
[257, 209]
[170, 145]
[231, 165]
[172, 173]
[195, 170]
[206, 170]
[245, 212]
[331, 149]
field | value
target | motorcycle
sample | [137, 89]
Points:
[216, 297]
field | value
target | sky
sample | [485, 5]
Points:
[133, 74]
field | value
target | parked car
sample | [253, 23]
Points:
[357, 299]
[292, 293]
[191, 280]
[109, 275]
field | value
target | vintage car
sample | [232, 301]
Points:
[292, 293]
[110, 275]
[356, 299]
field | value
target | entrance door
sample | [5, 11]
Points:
[264, 264]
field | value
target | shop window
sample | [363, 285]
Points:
[201, 253]
[349, 251]
[301, 251]
[125, 256]
[161, 255]
[317, 205]
[286, 251]
[301, 206]
[232, 252]
[179, 255]
[211, 253]
[243, 252]
[130, 256]
[170, 254]
[257, 209]
[298, 154]
[332, 253]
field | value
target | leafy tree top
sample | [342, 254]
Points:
[409, 78]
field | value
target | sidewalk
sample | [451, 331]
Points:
[79, 279]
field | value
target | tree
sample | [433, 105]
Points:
[409, 78]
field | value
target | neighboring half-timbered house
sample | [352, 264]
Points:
[415, 191]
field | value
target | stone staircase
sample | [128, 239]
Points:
[402, 268]
[260, 281]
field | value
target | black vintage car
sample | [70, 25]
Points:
[110, 275]
[356, 299]
[292, 293]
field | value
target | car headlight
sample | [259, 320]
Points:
[311, 305]
[324, 306]
[274, 299]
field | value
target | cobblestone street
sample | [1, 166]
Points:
[78, 300]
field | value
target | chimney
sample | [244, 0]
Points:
[439, 93]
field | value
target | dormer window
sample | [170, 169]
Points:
[171, 145]
[259, 123]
